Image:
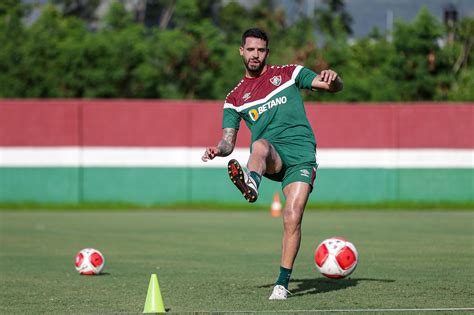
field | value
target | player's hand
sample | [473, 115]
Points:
[327, 80]
[328, 76]
[210, 153]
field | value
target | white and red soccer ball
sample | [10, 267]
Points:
[336, 257]
[89, 261]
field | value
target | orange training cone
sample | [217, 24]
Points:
[276, 206]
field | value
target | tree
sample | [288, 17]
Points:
[465, 32]
[233, 19]
[83, 9]
[418, 61]
[43, 74]
[191, 51]
[463, 68]
[462, 89]
[12, 36]
[117, 18]
[334, 18]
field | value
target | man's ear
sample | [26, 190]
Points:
[241, 50]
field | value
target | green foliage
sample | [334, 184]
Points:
[42, 54]
[81, 9]
[462, 89]
[332, 19]
[233, 20]
[416, 62]
[12, 35]
[117, 18]
[192, 52]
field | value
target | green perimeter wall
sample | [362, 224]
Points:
[161, 186]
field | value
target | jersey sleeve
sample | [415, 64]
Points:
[230, 118]
[304, 78]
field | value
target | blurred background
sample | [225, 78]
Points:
[407, 50]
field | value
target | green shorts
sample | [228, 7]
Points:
[305, 173]
[293, 172]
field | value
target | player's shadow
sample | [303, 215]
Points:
[321, 285]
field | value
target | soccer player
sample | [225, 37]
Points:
[283, 144]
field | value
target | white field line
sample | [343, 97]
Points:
[191, 157]
[460, 309]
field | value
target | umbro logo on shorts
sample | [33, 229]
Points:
[304, 173]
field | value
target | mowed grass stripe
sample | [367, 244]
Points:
[209, 261]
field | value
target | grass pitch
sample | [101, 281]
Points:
[228, 261]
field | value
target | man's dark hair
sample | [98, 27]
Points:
[254, 32]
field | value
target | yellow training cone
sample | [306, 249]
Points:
[154, 301]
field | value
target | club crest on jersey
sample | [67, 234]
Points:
[276, 80]
[246, 96]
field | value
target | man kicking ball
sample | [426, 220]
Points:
[283, 144]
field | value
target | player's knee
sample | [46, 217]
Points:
[292, 219]
[261, 147]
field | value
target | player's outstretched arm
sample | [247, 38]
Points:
[225, 146]
[327, 80]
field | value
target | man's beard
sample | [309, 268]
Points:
[254, 69]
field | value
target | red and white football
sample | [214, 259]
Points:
[336, 257]
[89, 261]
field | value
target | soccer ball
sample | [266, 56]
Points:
[89, 261]
[336, 257]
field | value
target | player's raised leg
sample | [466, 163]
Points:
[263, 159]
[242, 179]
[296, 195]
